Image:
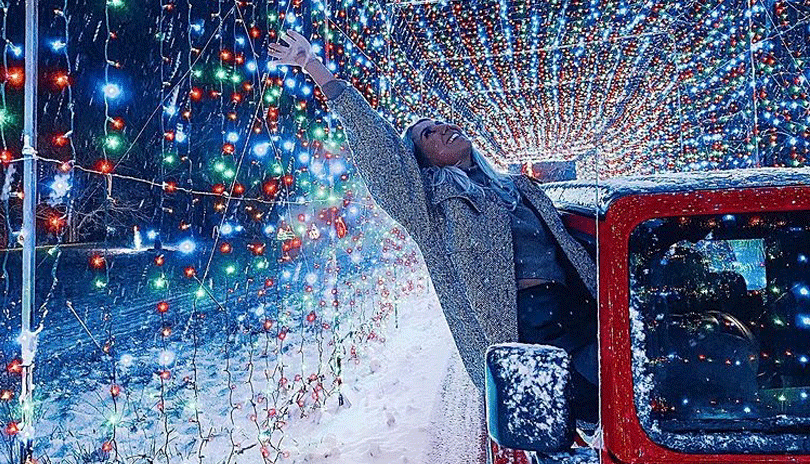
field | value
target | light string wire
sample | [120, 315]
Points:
[164, 376]
[9, 410]
[194, 317]
[226, 346]
[10, 170]
[286, 193]
[265, 454]
[305, 263]
[68, 217]
[106, 310]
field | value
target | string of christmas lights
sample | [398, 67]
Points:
[314, 197]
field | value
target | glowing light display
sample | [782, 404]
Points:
[270, 267]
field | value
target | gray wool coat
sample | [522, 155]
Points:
[466, 241]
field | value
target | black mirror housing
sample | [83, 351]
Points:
[528, 397]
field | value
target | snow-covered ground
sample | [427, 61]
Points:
[410, 402]
[405, 398]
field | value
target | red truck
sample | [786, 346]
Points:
[704, 326]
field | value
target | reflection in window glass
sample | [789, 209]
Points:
[721, 323]
[743, 257]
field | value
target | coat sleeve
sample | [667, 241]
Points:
[386, 165]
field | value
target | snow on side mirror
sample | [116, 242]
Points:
[528, 395]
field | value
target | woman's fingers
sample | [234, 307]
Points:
[279, 52]
[289, 41]
[290, 35]
[296, 36]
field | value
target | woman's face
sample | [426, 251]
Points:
[442, 144]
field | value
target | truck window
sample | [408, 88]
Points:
[720, 326]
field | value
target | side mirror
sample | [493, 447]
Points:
[528, 396]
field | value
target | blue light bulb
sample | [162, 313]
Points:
[111, 90]
[187, 246]
[260, 149]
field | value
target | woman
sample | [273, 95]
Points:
[502, 264]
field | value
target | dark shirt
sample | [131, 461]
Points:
[534, 247]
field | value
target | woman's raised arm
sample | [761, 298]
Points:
[387, 166]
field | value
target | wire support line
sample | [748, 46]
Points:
[99, 245]
[69, 304]
[165, 185]
[210, 295]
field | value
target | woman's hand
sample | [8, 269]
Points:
[298, 52]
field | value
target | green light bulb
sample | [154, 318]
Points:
[5, 117]
[113, 142]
